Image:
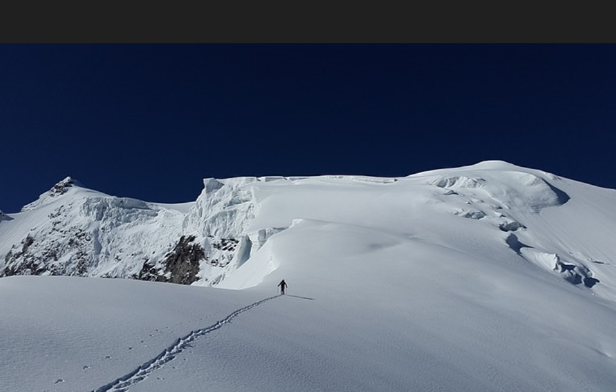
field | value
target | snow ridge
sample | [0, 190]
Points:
[123, 383]
[51, 195]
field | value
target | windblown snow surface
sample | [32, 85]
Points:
[490, 277]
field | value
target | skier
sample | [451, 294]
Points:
[283, 286]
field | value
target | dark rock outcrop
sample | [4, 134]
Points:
[181, 265]
[28, 265]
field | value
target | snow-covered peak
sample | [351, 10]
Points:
[506, 185]
[224, 232]
[59, 189]
[489, 165]
[62, 186]
[494, 165]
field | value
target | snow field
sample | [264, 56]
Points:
[449, 280]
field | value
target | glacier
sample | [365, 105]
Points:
[487, 277]
[74, 231]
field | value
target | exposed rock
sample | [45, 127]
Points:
[470, 214]
[511, 226]
[62, 187]
[53, 194]
[149, 272]
[181, 265]
[183, 261]
[23, 262]
[32, 257]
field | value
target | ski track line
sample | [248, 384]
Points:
[123, 383]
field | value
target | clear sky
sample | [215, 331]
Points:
[151, 121]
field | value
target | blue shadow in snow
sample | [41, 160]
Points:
[297, 296]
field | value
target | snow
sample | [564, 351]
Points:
[489, 277]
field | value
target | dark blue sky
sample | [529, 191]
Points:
[151, 121]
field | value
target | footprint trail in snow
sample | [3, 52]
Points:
[123, 383]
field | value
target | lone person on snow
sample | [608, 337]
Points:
[283, 286]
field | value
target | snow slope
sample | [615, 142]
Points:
[489, 277]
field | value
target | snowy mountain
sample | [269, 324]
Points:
[490, 277]
[74, 231]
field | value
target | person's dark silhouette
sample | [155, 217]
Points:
[283, 286]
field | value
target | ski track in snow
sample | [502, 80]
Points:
[123, 383]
